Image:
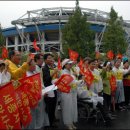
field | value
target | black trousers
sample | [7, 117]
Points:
[107, 100]
[127, 94]
[50, 108]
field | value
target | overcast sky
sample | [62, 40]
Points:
[12, 10]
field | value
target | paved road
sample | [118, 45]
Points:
[121, 122]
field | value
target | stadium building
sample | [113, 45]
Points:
[45, 26]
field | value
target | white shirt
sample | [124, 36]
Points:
[4, 78]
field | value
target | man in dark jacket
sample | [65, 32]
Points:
[51, 97]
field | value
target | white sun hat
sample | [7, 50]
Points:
[65, 61]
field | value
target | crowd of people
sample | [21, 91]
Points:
[99, 91]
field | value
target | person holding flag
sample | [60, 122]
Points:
[89, 96]
[14, 67]
[126, 82]
[68, 107]
[108, 90]
[86, 63]
[31, 71]
[95, 85]
[119, 96]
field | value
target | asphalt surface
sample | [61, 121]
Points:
[122, 121]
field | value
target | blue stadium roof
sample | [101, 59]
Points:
[13, 31]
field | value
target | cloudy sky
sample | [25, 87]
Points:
[12, 10]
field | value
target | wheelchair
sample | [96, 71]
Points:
[87, 112]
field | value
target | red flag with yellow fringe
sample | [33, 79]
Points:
[9, 114]
[63, 83]
[33, 88]
[89, 77]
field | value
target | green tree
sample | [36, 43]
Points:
[114, 36]
[2, 40]
[77, 35]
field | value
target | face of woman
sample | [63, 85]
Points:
[92, 66]
[68, 66]
[126, 65]
[118, 63]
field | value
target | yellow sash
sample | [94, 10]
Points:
[73, 85]
[109, 74]
[96, 78]
[119, 75]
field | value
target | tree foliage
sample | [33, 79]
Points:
[114, 36]
[2, 40]
[77, 35]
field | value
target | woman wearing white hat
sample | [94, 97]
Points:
[66, 99]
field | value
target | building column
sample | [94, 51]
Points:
[6, 42]
[27, 42]
[43, 42]
[96, 42]
[16, 43]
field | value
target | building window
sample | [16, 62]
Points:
[33, 36]
[11, 48]
[20, 41]
[51, 47]
[52, 35]
[22, 48]
[11, 40]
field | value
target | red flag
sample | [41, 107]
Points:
[113, 83]
[97, 54]
[110, 55]
[63, 83]
[80, 64]
[119, 56]
[31, 55]
[23, 105]
[73, 55]
[2, 125]
[9, 114]
[88, 77]
[35, 45]
[33, 89]
[59, 64]
[4, 53]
